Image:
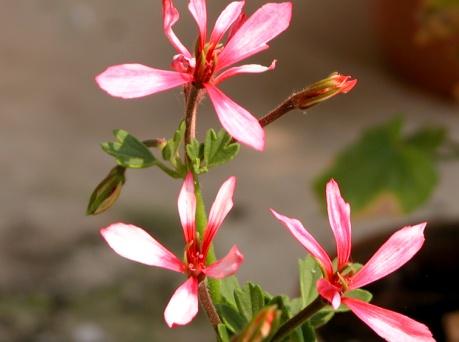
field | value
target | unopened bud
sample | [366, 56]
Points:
[260, 327]
[107, 192]
[323, 90]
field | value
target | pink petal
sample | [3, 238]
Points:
[237, 121]
[228, 16]
[183, 305]
[136, 80]
[329, 292]
[226, 266]
[339, 215]
[220, 208]
[390, 325]
[187, 208]
[170, 17]
[265, 24]
[199, 13]
[136, 244]
[309, 243]
[392, 255]
[243, 69]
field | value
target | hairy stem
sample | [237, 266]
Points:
[208, 306]
[193, 97]
[297, 320]
[277, 112]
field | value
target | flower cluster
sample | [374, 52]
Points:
[135, 244]
[212, 62]
[393, 254]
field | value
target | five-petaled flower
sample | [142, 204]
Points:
[135, 244]
[393, 254]
[212, 62]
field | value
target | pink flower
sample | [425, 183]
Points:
[393, 254]
[135, 244]
[212, 63]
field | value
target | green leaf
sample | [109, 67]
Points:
[310, 272]
[228, 285]
[170, 150]
[283, 304]
[107, 192]
[193, 150]
[219, 148]
[360, 294]
[427, 139]
[243, 302]
[128, 151]
[256, 298]
[260, 327]
[383, 163]
[222, 332]
[322, 317]
[309, 332]
[233, 320]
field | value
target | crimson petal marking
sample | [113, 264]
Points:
[390, 325]
[136, 244]
[329, 292]
[392, 255]
[170, 17]
[237, 121]
[198, 10]
[187, 208]
[136, 80]
[340, 221]
[307, 240]
[264, 25]
[243, 69]
[228, 16]
[226, 266]
[183, 306]
[220, 208]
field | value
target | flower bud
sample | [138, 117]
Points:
[107, 192]
[260, 327]
[323, 90]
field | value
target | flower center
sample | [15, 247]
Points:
[195, 263]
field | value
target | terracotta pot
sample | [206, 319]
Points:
[429, 60]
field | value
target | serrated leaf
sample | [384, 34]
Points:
[219, 148]
[228, 285]
[282, 303]
[243, 302]
[170, 150]
[256, 298]
[382, 162]
[193, 151]
[233, 320]
[309, 272]
[128, 151]
[427, 139]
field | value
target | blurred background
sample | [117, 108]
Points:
[58, 279]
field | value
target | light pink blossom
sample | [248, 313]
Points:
[135, 244]
[393, 254]
[212, 62]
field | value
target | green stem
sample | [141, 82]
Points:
[297, 320]
[193, 98]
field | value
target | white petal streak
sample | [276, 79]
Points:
[390, 325]
[392, 255]
[244, 69]
[220, 208]
[183, 306]
[136, 80]
[237, 121]
[187, 208]
[307, 240]
[252, 37]
[136, 244]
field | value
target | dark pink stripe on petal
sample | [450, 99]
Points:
[136, 80]
[237, 121]
[392, 255]
[390, 325]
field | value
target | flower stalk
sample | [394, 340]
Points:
[297, 320]
[206, 302]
